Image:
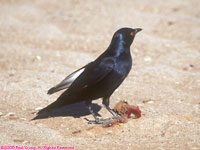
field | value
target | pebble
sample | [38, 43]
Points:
[147, 59]
[10, 114]
[38, 108]
[1, 114]
[109, 131]
[25, 142]
[150, 102]
[38, 57]
[23, 119]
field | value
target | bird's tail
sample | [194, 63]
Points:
[64, 100]
[51, 107]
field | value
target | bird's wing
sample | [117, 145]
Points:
[92, 74]
[66, 82]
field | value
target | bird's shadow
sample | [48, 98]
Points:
[75, 110]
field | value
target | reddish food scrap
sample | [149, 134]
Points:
[124, 109]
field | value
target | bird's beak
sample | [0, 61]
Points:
[137, 30]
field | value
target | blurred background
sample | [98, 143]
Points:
[41, 42]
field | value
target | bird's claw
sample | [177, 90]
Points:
[98, 121]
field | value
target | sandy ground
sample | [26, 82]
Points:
[41, 42]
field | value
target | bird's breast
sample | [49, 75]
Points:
[123, 65]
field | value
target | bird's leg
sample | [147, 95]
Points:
[97, 120]
[106, 103]
[88, 104]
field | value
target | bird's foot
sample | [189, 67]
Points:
[100, 121]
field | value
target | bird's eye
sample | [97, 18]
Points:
[131, 33]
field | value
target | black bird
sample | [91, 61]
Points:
[98, 79]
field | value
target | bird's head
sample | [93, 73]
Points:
[126, 35]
